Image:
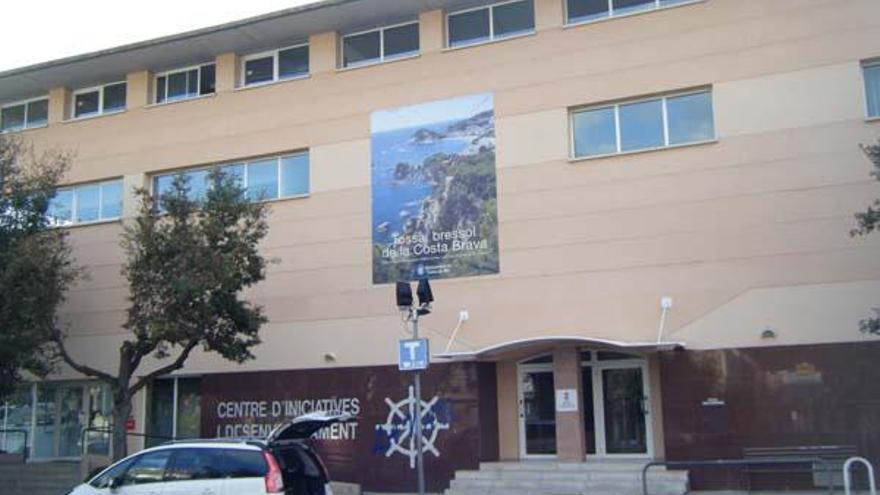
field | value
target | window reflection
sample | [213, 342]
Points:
[641, 125]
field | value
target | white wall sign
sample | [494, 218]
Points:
[566, 400]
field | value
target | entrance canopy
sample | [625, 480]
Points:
[496, 351]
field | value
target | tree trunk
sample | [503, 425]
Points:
[121, 413]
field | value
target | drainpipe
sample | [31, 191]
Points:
[665, 305]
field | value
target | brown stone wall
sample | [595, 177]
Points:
[249, 404]
[773, 397]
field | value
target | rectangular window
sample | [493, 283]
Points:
[293, 62]
[174, 410]
[182, 84]
[578, 11]
[676, 119]
[379, 45]
[109, 98]
[501, 20]
[263, 179]
[277, 65]
[86, 203]
[24, 115]
[872, 88]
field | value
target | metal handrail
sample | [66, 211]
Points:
[25, 449]
[109, 431]
[847, 474]
[737, 462]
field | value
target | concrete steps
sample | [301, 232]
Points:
[555, 478]
[49, 478]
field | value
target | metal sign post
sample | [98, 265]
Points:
[417, 431]
[413, 356]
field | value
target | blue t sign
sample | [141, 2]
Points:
[412, 355]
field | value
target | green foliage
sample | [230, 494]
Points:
[867, 222]
[187, 267]
[35, 261]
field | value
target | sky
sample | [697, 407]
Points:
[430, 113]
[50, 29]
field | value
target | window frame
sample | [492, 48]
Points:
[73, 202]
[274, 53]
[382, 58]
[167, 73]
[26, 103]
[100, 90]
[869, 64]
[611, 15]
[244, 163]
[616, 104]
[492, 37]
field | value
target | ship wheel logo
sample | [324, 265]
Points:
[397, 434]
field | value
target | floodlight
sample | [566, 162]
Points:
[424, 292]
[404, 295]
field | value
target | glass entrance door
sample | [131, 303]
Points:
[616, 404]
[59, 420]
[537, 411]
[623, 400]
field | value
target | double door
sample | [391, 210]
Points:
[615, 401]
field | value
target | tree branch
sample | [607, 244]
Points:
[85, 370]
[176, 365]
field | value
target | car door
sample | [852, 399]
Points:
[245, 471]
[194, 471]
[145, 475]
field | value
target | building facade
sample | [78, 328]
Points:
[634, 213]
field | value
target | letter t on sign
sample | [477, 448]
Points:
[412, 355]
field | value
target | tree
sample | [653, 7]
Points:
[35, 261]
[186, 268]
[867, 222]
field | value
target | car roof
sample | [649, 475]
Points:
[226, 443]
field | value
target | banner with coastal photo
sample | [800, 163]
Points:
[435, 211]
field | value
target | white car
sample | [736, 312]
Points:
[281, 463]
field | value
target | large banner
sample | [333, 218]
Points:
[435, 211]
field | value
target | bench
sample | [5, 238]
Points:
[835, 455]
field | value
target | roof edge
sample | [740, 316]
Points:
[494, 349]
[228, 26]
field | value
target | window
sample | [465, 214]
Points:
[265, 178]
[644, 124]
[174, 410]
[186, 83]
[195, 464]
[147, 468]
[577, 11]
[242, 463]
[498, 21]
[111, 473]
[276, 65]
[872, 88]
[86, 203]
[24, 115]
[109, 98]
[379, 45]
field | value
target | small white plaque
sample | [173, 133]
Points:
[566, 400]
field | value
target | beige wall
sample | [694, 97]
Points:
[508, 410]
[587, 247]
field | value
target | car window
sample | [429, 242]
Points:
[148, 468]
[244, 463]
[103, 480]
[195, 464]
